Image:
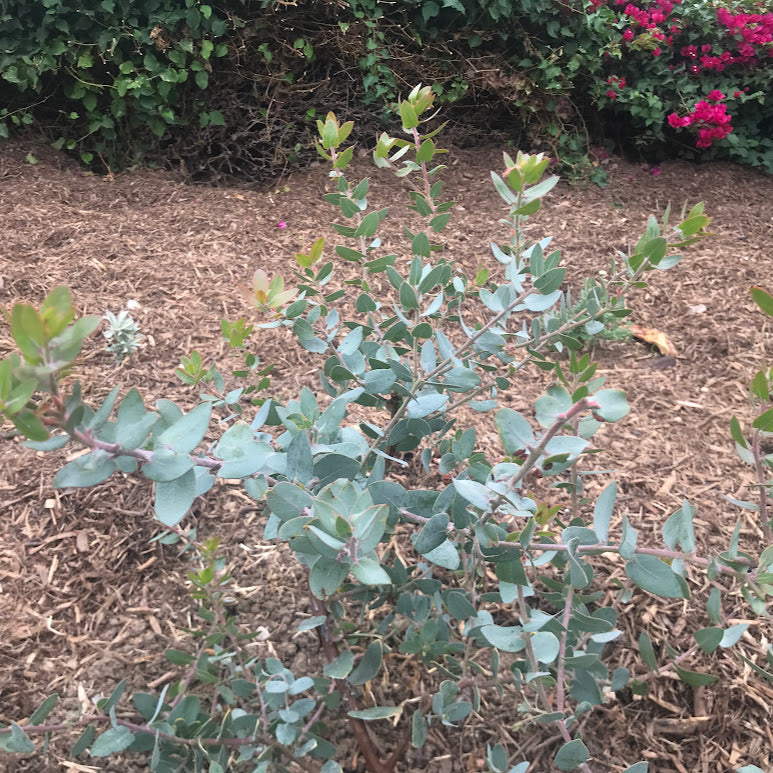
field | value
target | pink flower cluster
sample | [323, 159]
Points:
[750, 30]
[614, 83]
[649, 18]
[712, 120]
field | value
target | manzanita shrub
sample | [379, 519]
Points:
[492, 591]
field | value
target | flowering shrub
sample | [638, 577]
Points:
[712, 120]
[116, 80]
[690, 66]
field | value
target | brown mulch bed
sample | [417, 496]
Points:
[88, 598]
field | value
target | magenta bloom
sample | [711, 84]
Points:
[676, 122]
[281, 224]
[715, 96]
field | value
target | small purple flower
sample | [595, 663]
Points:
[281, 224]
[655, 171]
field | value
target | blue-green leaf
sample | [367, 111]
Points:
[542, 302]
[432, 534]
[377, 712]
[133, 424]
[647, 651]
[695, 678]
[167, 465]
[174, 498]
[572, 755]
[418, 729]
[341, 667]
[614, 405]
[16, 741]
[763, 299]
[475, 493]
[326, 576]
[547, 407]
[368, 571]
[369, 664]
[41, 712]
[656, 576]
[708, 639]
[87, 470]
[186, 433]
[505, 638]
[678, 529]
[545, 646]
[112, 741]
[103, 412]
[425, 404]
[287, 500]
[733, 634]
[602, 511]
[445, 555]
[514, 431]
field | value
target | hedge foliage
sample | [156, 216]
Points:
[234, 88]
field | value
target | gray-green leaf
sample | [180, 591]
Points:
[112, 741]
[174, 498]
[656, 576]
[87, 470]
[572, 754]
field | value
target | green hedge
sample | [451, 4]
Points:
[235, 87]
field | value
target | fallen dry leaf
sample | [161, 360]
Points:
[652, 336]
